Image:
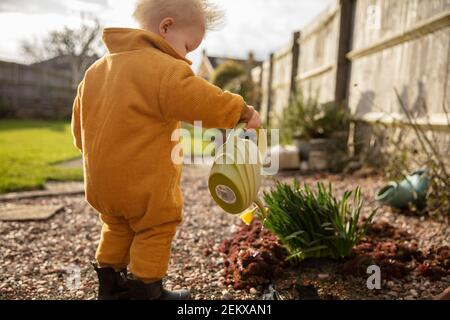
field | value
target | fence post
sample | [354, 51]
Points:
[17, 85]
[344, 46]
[269, 89]
[295, 62]
[259, 94]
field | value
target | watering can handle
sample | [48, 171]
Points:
[241, 125]
[261, 139]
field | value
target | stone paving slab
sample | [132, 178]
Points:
[15, 212]
[64, 187]
[51, 190]
[75, 163]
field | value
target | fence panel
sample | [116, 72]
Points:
[34, 92]
[359, 51]
[265, 88]
[401, 45]
[318, 53]
[281, 80]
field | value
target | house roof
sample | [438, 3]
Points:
[210, 63]
[216, 61]
[61, 62]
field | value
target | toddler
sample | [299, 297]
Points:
[127, 107]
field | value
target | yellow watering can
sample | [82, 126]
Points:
[235, 176]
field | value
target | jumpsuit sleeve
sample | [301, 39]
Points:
[187, 97]
[76, 119]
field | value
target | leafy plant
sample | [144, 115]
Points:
[313, 223]
[307, 118]
[226, 73]
[242, 86]
[232, 76]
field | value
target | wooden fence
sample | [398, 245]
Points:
[35, 92]
[361, 52]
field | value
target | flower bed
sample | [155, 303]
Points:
[254, 256]
[397, 255]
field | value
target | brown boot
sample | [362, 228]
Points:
[112, 284]
[154, 291]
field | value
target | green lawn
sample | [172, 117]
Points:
[29, 150]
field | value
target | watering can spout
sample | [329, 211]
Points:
[248, 216]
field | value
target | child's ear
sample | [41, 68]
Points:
[165, 26]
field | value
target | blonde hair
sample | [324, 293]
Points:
[148, 12]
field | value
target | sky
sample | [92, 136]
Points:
[261, 26]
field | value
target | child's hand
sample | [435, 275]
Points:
[252, 118]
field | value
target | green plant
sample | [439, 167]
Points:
[307, 118]
[312, 223]
[242, 86]
[232, 76]
[226, 73]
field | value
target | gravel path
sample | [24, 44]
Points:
[38, 258]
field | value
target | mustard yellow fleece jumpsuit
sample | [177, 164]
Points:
[128, 104]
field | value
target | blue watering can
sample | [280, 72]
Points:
[411, 190]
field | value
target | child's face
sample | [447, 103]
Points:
[184, 38]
